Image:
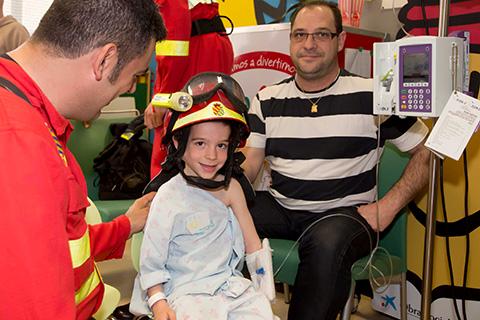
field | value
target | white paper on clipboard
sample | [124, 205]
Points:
[456, 125]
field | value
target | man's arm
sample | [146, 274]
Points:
[253, 162]
[414, 178]
[108, 239]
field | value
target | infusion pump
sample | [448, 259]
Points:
[415, 76]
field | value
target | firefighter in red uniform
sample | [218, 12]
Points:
[80, 57]
[196, 42]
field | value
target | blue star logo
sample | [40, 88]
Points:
[389, 301]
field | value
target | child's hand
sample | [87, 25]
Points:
[162, 311]
[259, 264]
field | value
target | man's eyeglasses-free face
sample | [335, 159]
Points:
[300, 36]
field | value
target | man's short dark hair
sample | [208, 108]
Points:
[72, 28]
[337, 15]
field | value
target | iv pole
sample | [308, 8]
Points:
[432, 197]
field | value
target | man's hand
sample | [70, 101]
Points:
[385, 215]
[138, 212]
[153, 116]
[413, 179]
[162, 311]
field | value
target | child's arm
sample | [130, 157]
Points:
[240, 209]
[259, 255]
[154, 256]
[159, 305]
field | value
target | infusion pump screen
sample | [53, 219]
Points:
[415, 67]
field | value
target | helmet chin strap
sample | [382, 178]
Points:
[174, 164]
[202, 183]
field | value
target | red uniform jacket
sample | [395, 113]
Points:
[43, 200]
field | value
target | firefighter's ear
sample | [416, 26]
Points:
[104, 61]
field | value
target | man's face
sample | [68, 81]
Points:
[125, 82]
[315, 58]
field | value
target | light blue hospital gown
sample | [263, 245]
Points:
[193, 245]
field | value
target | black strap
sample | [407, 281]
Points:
[9, 85]
[6, 56]
[204, 26]
[13, 89]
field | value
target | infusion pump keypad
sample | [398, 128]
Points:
[416, 98]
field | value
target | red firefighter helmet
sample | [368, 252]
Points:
[216, 96]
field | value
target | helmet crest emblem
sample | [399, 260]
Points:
[218, 109]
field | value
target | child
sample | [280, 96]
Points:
[193, 245]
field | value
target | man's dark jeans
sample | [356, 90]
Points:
[327, 251]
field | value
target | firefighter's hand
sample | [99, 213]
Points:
[138, 212]
[154, 116]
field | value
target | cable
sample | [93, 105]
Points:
[424, 16]
[310, 226]
[398, 21]
[447, 242]
[467, 244]
[371, 278]
[473, 88]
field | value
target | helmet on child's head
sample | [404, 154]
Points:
[216, 97]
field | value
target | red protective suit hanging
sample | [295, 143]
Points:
[182, 55]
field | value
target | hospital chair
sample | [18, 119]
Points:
[393, 239]
[135, 245]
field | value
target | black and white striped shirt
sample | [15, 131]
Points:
[325, 159]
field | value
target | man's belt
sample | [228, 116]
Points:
[204, 26]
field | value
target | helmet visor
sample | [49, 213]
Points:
[203, 86]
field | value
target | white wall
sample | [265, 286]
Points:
[375, 18]
[27, 12]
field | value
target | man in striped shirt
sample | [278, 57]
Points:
[318, 133]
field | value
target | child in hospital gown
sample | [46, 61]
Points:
[193, 249]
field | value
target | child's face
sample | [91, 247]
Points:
[207, 149]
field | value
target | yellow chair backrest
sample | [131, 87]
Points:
[111, 296]
[135, 246]
[92, 216]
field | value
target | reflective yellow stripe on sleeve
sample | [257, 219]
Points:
[80, 252]
[88, 286]
[80, 249]
[172, 48]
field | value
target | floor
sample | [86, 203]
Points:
[120, 274]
